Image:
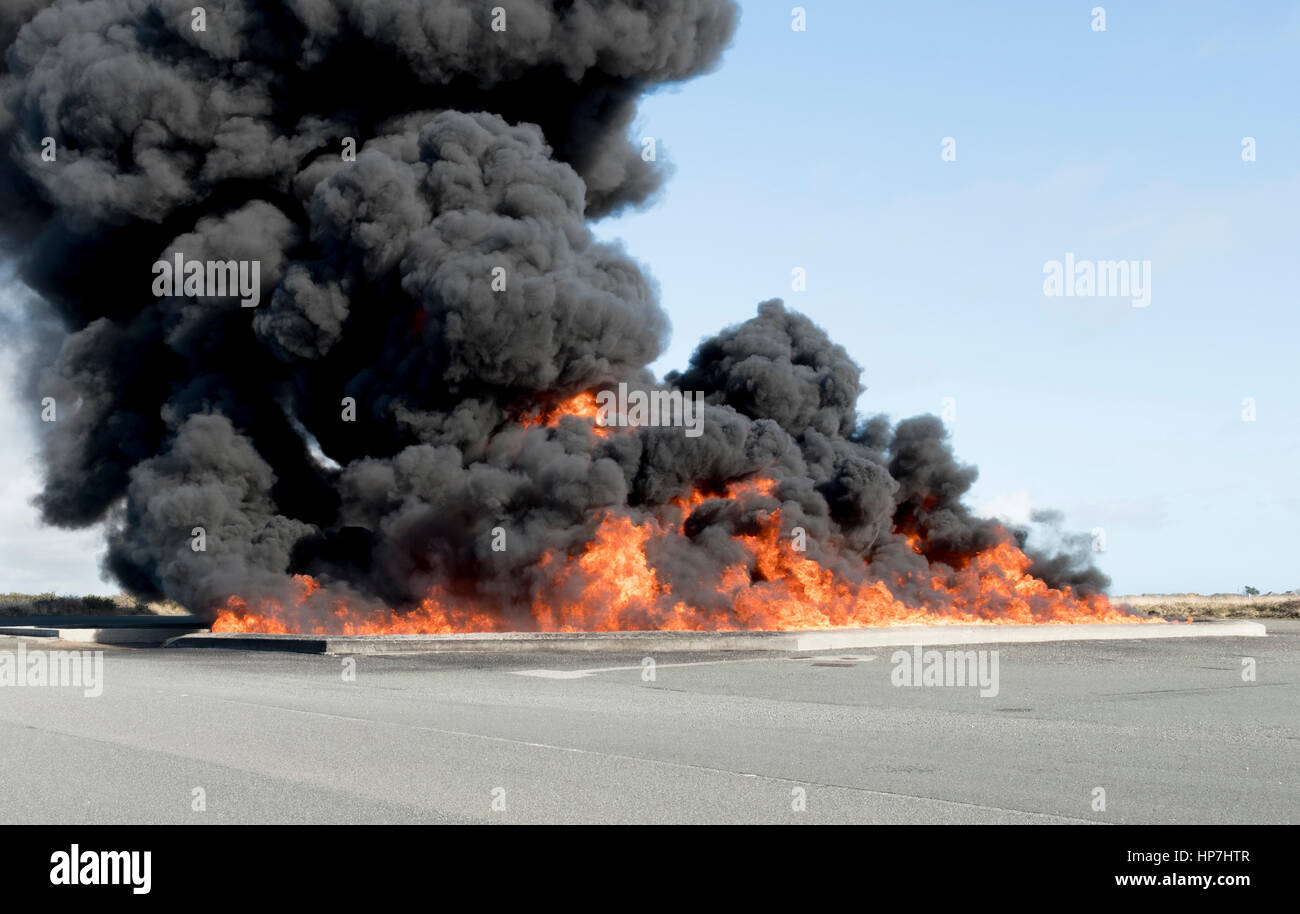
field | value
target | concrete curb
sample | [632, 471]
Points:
[693, 642]
[141, 630]
[105, 621]
[28, 631]
[938, 635]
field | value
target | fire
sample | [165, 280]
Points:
[612, 585]
[582, 405]
[297, 616]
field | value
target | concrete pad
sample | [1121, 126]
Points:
[503, 642]
[139, 636]
[938, 635]
[687, 642]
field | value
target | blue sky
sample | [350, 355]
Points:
[821, 150]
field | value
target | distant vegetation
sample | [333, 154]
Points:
[1216, 606]
[50, 604]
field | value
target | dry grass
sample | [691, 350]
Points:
[1215, 606]
[49, 604]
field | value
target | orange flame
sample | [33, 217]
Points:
[612, 586]
[582, 405]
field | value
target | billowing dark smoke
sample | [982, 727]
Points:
[481, 154]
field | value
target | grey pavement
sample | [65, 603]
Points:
[1168, 729]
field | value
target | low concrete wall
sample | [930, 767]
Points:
[140, 630]
[689, 642]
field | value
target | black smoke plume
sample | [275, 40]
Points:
[476, 149]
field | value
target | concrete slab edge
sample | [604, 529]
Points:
[114, 635]
[690, 642]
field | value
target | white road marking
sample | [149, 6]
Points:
[582, 674]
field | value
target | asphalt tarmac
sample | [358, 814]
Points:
[1168, 732]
